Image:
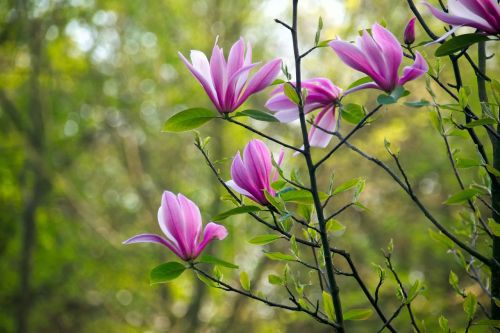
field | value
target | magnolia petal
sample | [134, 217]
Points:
[414, 71]
[354, 58]
[192, 220]
[240, 190]
[152, 238]
[242, 178]
[257, 159]
[458, 20]
[206, 83]
[173, 221]
[368, 85]
[261, 80]
[324, 120]
[392, 51]
[212, 231]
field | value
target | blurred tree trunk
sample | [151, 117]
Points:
[34, 184]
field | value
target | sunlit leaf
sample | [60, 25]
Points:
[166, 272]
[188, 119]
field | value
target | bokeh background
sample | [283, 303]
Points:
[85, 86]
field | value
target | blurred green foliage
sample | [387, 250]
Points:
[85, 88]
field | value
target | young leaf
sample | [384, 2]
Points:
[166, 272]
[495, 227]
[417, 104]
[346, 185]
[328, 305]
[291, 93]
[245, 281]
[352, 113]
[258, 115]
[301, 196]
[279, 256]
[359, 82]
[470, 306]
[188, 119]
[235, 211]
[275, 279]
[453, 280]
[264, 239]
[335, 227]
[414, 291]
[357, 314]
[459, 43]
[208, 259]
[462, 196]
[443, 324]
[206, 280]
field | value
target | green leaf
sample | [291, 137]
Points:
[417, 104]
[324, 43]
[414, 291]
[481, 122]
[347, 185]
[467, 163]
[245, 281]
[462, 196]
[357, 314]
[258, 115]
[301, 196]
[453, 280]
[235, 211]
[335, 227]
[352, 113]
[188, 119]
[279, 256]
[443, 324]
[208, 259]
[463, 98]
[328, 305]
[359, 82]
[275, 202]
[206, 280]
[495, 227]
[275, 279]
[264, 239]
[492, 170]
[290, 92]
[278, 81]
[166, 272]
[386, 99]
[442, 238]
[470, 306]
[459, 43]
[399, 92]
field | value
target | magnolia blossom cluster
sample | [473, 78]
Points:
[228, 84]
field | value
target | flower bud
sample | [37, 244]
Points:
[409, 34]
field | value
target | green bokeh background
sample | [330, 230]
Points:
[95, 80]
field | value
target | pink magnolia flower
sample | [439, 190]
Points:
[226, 82]
[180, 221]
[379, 56]
[321, 94]
[483, 15]
[253, 174]
[409, 33]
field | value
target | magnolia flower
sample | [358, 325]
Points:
[226, 82]
[409, 33]
[379, 56]
[180, 221]
[252, 175]
[483, 15]
[321, 94]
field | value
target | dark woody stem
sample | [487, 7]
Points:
[344, 254]
[332, 283]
